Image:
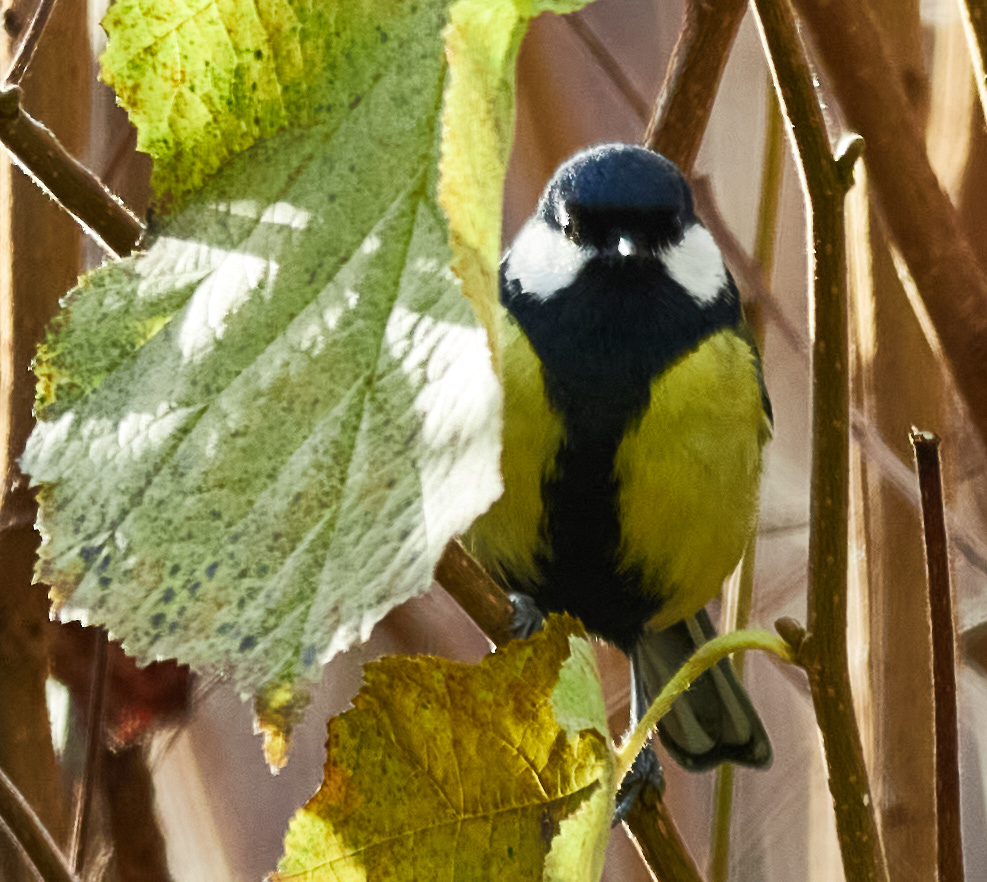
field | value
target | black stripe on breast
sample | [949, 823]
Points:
[579, 573]
[601, 342]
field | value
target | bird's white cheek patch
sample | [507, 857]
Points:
[697, 265]
[543, 260]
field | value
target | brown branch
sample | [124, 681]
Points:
[476, 592]
[659, 840]
[975, 27]
[67, 181]
[685, 101]
[482, 598]
[916, 211]
[29, 42]
[949, 842]
[824, 652]
[27, 832]
[94, 743]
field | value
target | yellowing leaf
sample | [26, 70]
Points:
[482, 42]
[449, 771]
[278, 708]
[202, 80]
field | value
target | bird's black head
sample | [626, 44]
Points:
[613, 278]
[618, 198]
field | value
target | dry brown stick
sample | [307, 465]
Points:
[67, 181]
[22, 825]
[917, 212]
[488, 606]
[659, 840]
[824, 650]
[94, 744]
[29, 42]
[685, 101]
[476, 592]
[975, 26]
[949, 843]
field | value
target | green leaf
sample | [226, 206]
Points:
[203, 81]
[449, 771]
[256, 438]
[482, 42]
[579, 849]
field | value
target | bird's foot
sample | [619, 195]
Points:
[645, 776]
[528, 618]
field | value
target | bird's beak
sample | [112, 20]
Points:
[626, 247]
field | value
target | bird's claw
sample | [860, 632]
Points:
[646, 775]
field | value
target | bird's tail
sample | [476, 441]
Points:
[714, 721]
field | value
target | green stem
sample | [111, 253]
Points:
[719, 862]
[702, 660]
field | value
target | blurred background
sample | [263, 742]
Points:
[586, 79]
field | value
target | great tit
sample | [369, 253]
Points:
[635, 416]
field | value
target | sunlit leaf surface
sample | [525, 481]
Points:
[257, 437]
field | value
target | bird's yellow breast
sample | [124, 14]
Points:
[511, 535]
[688, 473]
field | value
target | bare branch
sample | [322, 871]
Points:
[949, 844]
[917, 212]
[29, 42]
[67, 181]
[686, 99]
[824, 653]
[975, 26]
[94, 743]
[27, 832]
[609, 65]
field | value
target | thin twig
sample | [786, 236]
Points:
[25, 50]
[609, 65]
[37, 152]
[949, 841]
[772, 175]
[719, 860]
[94, 743]
[26, 831]
[975, 27]
[916, 210]
[824, 652]
[685, 101]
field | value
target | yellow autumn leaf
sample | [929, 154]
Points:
[450, 771]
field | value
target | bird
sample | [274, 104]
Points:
[635, 416]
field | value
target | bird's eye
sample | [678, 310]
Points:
[569, 227]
